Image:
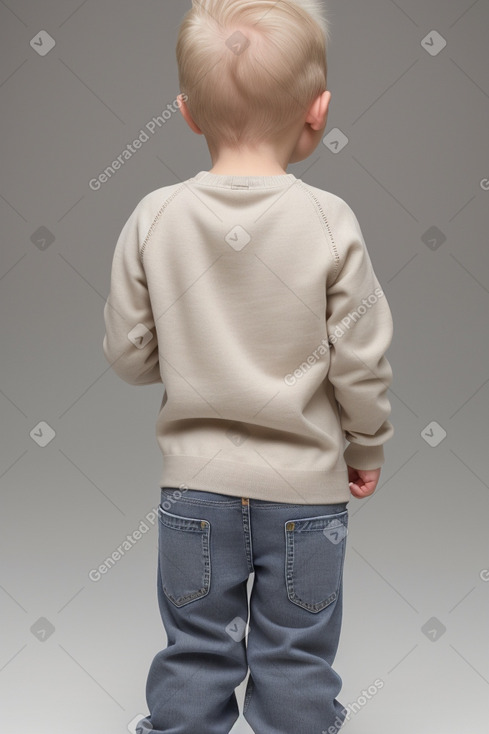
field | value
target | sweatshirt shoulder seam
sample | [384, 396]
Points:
[324, 219]
[156, 218]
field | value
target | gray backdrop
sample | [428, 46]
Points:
[79, 461]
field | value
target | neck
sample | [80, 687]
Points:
[256, 162]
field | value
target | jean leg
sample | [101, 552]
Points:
[202, 596]
[295, 618]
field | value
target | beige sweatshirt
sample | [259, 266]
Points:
[254, 301]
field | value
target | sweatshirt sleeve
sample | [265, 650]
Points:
[130, 342]
[360, 329]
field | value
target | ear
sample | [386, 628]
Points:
[187, 116]
[318, 111]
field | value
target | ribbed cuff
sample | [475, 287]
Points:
[364, 457]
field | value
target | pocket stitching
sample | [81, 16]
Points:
[289, 562]
[205, 545]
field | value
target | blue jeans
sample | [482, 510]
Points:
[208, 544]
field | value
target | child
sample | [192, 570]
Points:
[251, 296]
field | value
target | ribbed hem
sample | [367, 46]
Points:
[230, 181]
[261, 483]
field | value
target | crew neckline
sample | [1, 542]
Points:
[231, 181]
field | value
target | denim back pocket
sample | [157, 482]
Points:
[184, 557]
[315, 551]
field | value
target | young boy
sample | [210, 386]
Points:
[251, 296]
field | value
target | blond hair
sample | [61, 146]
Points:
[251, 68]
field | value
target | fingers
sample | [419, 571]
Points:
[363, 482]
[362, 489]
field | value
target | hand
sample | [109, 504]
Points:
[363, 481]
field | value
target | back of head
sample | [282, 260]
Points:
[251, 68]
